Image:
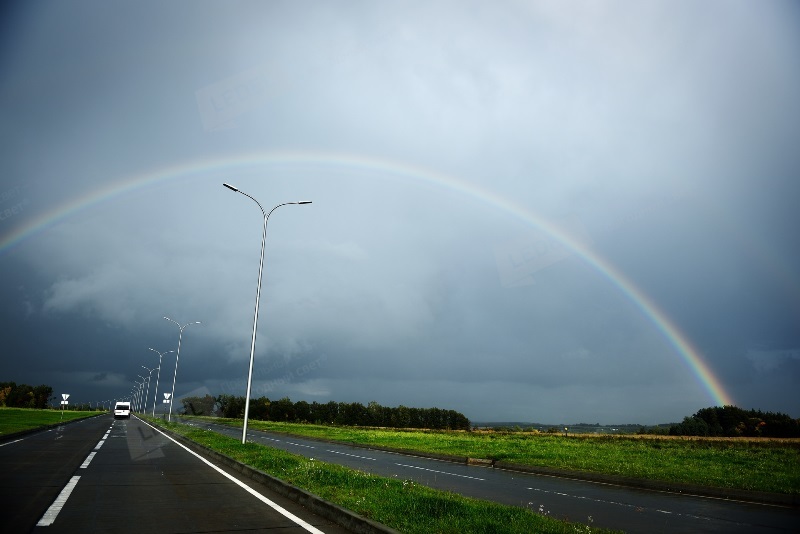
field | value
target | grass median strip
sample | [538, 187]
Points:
[14, 420]
[401, 504]
[768, 465]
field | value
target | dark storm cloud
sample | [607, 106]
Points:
[659, 136]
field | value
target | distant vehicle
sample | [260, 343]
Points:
[122, 410]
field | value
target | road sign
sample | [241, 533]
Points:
[65, 396]
[64, 402]
[166, 396]
[166, 401]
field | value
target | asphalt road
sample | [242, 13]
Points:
[601, 505]
[106, 475]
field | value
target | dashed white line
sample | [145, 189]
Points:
[616, 503]
[353, 455]
[10, 442]
[88, 460]
[99, 444]
[441, 472]
[51, 513]
[301, 445]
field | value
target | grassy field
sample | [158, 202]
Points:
[741, 463]
[400, 504]
[19, 419]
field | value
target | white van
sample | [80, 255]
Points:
[122, 410]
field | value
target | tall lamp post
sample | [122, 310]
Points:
[258, 296]
[141, 393]
[146, 395]
[135, 395]
[177, 357]
[158, 376]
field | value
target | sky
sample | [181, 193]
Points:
[552, 211]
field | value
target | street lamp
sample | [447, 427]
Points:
[135, 395]
[149, 376]
[141, 393]
[258, 296]
[177, 357]
[158, 376]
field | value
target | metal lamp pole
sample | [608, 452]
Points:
[177, 357]
[158, 376]
[135, 395]
[258, 296]
[146, 395]
[141, 393]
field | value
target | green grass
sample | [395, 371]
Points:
[400, 504]
[748, 464]
[19, 419]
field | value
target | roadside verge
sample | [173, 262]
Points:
[328, 510]
[759, 497]
[22, 433]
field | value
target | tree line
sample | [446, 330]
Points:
[333, 413]
[730, 421]
[13, 395]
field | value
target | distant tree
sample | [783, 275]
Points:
[353, 414]
[375, 415]
[691, 426]
[401, 417]
[231, 406]
[282, 410]
[199, 405]
[302, 412]
[259, 409]
[41, 394]
[732, 421]
[341, 413]
[5, 390]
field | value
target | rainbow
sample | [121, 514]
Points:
[636, 296]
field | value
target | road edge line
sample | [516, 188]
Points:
[326, 509]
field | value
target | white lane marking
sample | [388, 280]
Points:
[10, 442]
[441, 472]
[51, 513]
[616, 503]
[99, 444]
[353, 455]
[284, 512]
[300, 445]
[88, 460]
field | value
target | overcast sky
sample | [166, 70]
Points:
[513, 202]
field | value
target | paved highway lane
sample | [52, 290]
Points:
[602, 505]
[35, 468]
[124, 476]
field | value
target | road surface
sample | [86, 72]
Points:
[106, 475]
[601, 505]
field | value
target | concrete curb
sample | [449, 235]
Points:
[760, 497]
[321, 507]
[22, 433]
